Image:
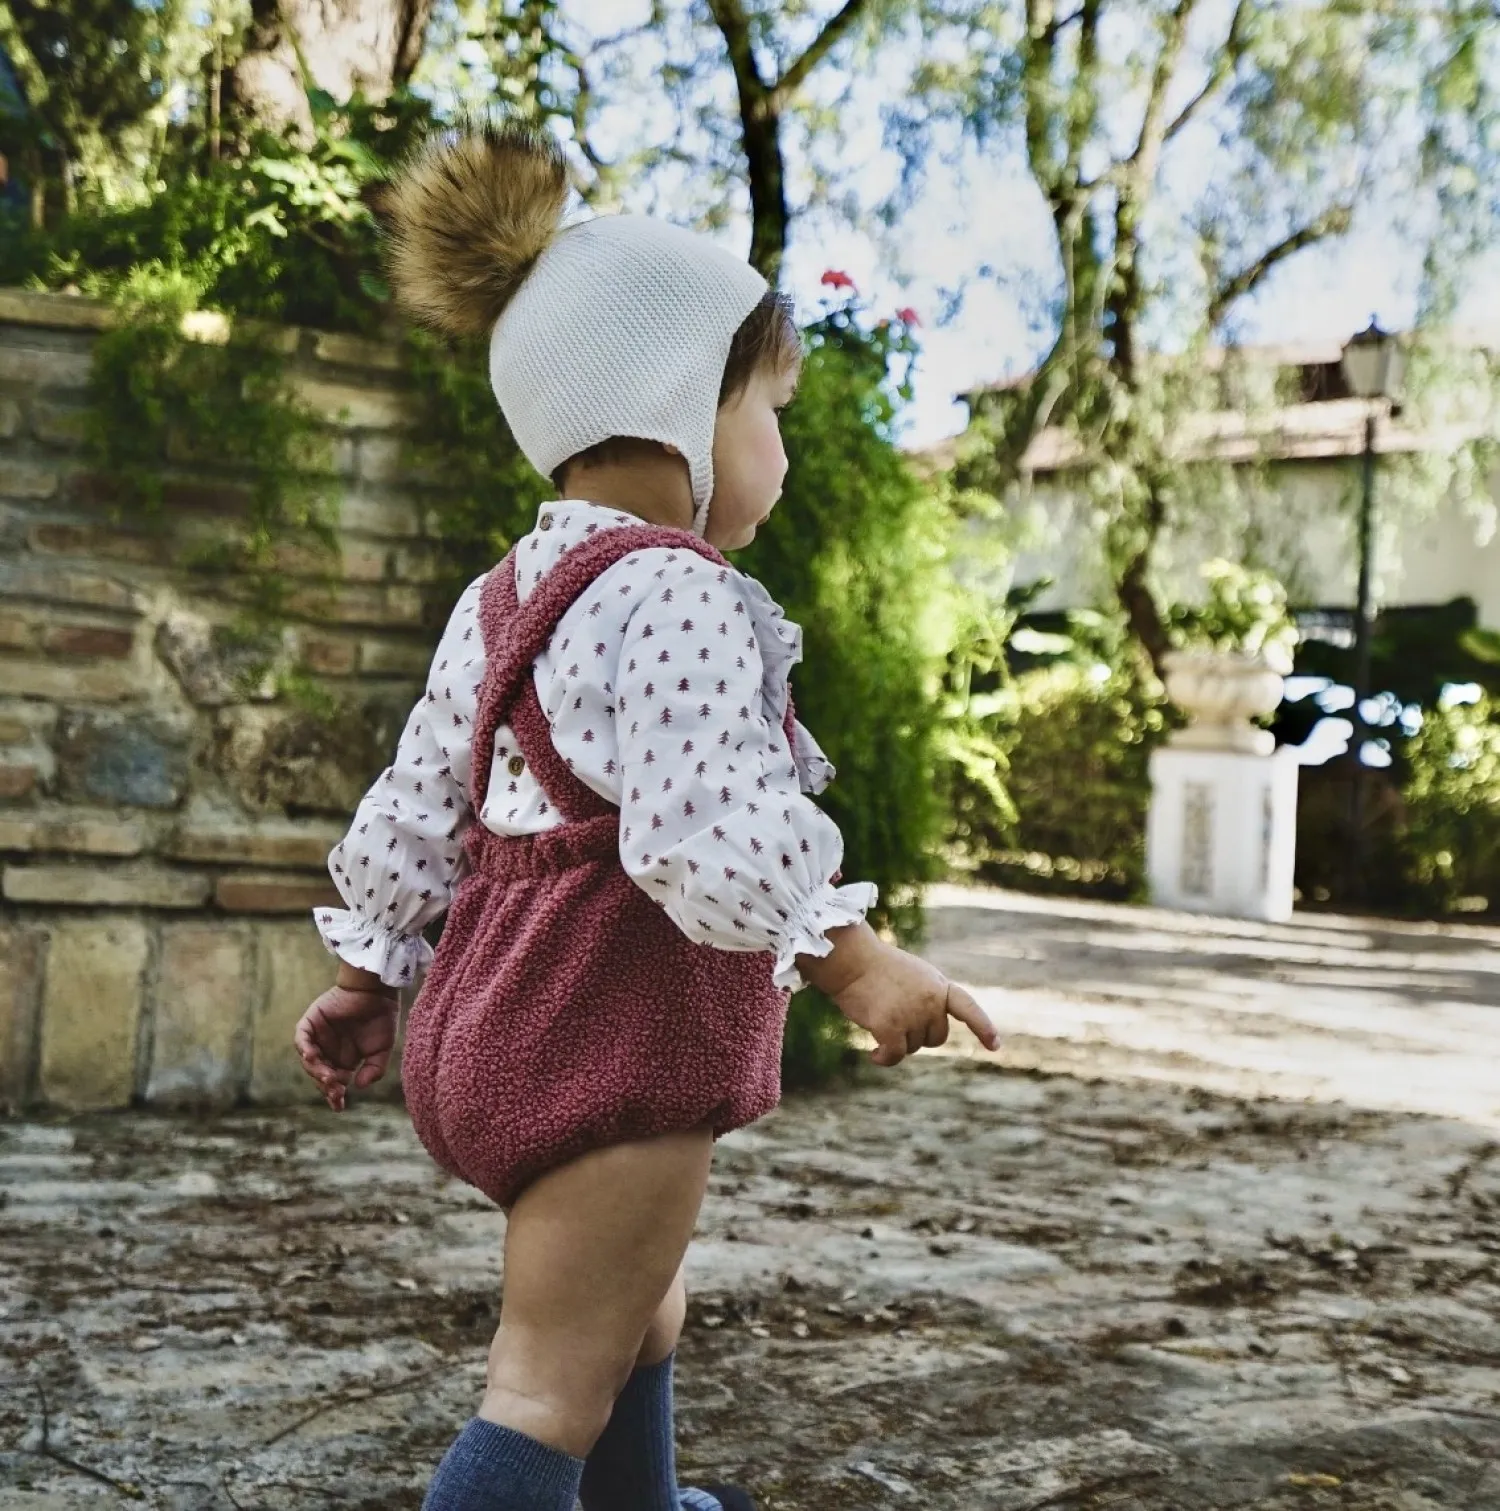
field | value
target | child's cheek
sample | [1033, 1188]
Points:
[772, 451]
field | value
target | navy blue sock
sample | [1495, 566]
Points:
[492, 1468]
[633, 1466]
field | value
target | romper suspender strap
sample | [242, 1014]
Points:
[516, 633]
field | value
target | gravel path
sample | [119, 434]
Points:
[1180, 1277]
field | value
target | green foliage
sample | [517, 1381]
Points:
[1245, 612]
[486, 493]
[1078, 732]
[1450, 841]
[815, 1048]
[1429, 843]
[96, 75]
[222, 403]
[854, 552]
[1415, 653]
[857, 553]
[285, 234]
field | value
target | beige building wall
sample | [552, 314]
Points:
[1303, 529]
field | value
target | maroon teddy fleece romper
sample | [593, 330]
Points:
[564, 1010]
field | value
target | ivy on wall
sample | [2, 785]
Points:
[173, 385]
[484, 493]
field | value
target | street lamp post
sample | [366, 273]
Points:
[1373, 364]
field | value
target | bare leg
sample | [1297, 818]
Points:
[666, 1326]
[591, 1252]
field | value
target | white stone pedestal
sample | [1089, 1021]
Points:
[1221, 836]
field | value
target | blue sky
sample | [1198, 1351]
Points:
[985, 213]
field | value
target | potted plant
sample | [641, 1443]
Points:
[1234, 652]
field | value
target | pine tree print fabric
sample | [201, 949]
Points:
[665, 687]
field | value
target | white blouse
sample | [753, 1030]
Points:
[666, 687]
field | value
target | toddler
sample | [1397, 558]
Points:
[606, 787]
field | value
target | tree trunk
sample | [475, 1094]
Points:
[760, 140]
[766, 172]
[348, 47]
[1142, 612]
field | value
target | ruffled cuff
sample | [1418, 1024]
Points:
[396, 958]
[806, 931]
[814, 770]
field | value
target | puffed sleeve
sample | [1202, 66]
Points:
[714, 826]
[397, 866]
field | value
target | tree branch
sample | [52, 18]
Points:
[583, 104]
[415, 15]
[1083, 102]
[834, 31]
[1059, 24]
[1152, 130]
[629, 34]
[760, 140]
[1038, 60]
[1225, 63]
[729, 16]
[1334, 221]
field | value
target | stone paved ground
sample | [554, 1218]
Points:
[1219, 1229]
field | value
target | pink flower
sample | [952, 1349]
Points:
[908, 316]
[833, 279]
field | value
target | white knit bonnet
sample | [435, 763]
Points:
[622, 328]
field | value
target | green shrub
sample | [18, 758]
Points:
[485, 493]
[283, 235]
[1080, 742]
[1076, 732]
[855, 552]
[1450, 839]
[1076, 722]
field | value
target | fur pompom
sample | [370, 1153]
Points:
[469, 215]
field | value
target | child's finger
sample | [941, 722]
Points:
[892, 1052]
[968, 1012]
[317, 1067]
[308, 1049]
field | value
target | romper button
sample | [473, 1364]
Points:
[516, 765]
[546, 522]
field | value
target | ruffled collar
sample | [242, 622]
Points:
[780, 642]
[569, 522]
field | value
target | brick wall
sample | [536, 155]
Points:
[162, 829]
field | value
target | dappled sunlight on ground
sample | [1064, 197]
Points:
[1404, 1017]
[961, 1285]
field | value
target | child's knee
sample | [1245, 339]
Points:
[559, 1395]
[666, 1326]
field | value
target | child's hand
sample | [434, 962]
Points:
[345, 1039]
[904, 1002]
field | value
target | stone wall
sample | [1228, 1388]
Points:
[164, 827]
